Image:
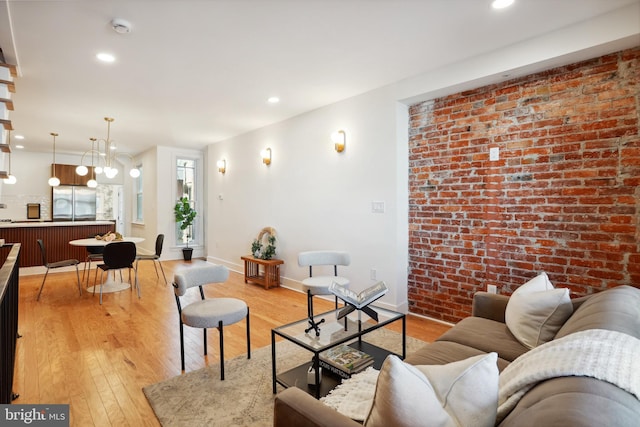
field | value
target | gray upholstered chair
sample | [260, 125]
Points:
[319, 284]
[57, 264]
[154, 257]
[208, 313]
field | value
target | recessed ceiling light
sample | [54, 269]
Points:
[20, 146]
[18, 136]
[106, 57]
[501, 4]
[273, 100]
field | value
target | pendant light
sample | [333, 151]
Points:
[92, 183]
[54, 181]
[11, 179]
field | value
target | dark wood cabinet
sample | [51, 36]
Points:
[68, 176]
[56, 238]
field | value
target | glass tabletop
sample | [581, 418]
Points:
[332, 330]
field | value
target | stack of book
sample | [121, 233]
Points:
[344, 360]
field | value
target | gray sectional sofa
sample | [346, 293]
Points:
[561, 401]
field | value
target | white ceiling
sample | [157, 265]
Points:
[196, 72]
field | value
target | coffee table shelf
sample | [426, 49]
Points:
[332, 334]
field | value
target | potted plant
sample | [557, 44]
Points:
[185, 215]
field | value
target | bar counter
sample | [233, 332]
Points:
[56, 236]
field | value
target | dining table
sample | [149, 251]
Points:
[111, 284]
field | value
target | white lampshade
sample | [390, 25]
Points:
[92, 183]
[98, 170]
[135, 172]
[11, 180]
[54, 181]
[82, 170]
[111, 172]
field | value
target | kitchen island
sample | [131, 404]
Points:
[56, 236]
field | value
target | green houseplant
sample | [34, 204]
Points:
[185, 215]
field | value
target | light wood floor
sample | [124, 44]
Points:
[98, 357]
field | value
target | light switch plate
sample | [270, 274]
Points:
[377, 207]
[494, 153]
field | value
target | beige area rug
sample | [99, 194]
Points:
[245, 397]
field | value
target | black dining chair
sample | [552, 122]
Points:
[57, 264]
[118, 256]
[154, 257]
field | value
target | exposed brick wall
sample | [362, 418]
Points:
[563, 198]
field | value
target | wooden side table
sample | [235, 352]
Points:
[271, 271]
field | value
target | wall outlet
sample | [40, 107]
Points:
[374, 274]
[492, 289]
[494, 154]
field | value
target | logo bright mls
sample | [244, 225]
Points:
[37, 415]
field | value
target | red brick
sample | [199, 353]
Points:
[562, 198]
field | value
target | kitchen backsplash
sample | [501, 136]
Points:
[17, 206]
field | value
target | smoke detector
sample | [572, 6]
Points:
[121, 26]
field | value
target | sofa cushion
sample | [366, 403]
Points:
[536, 311]
[459, 393]
[443, 352]
[575, 401]
[615, 309]
[485, 335]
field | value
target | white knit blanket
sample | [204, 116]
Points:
[354, 396]
[609, 356]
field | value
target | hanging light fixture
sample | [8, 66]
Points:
[92, 183]
[54, 181]
[109, 154]
[109, 171]
[10, 179]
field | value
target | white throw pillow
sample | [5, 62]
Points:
[463, 393]
[536, 311]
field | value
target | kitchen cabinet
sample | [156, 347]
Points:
[56, 236]
[68, 176]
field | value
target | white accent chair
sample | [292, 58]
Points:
[208, 313]
[319, 284]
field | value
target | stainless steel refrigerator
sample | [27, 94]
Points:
[74, 203]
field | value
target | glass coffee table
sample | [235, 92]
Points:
[332, 333]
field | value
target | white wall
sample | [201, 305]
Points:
[319, 199]
[313, 196]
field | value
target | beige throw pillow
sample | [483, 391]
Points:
[463, 393]
[536, 311]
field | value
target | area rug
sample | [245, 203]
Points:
[245, 397]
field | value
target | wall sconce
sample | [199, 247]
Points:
[222, 166]
[266, 156]
[339, 139]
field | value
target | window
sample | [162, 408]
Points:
[186, 187]
[139, 196]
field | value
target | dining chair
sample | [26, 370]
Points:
[94, 253]
[319, 284]
[118, 256]
[154, 257]
[208, 313]
[57, 264]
